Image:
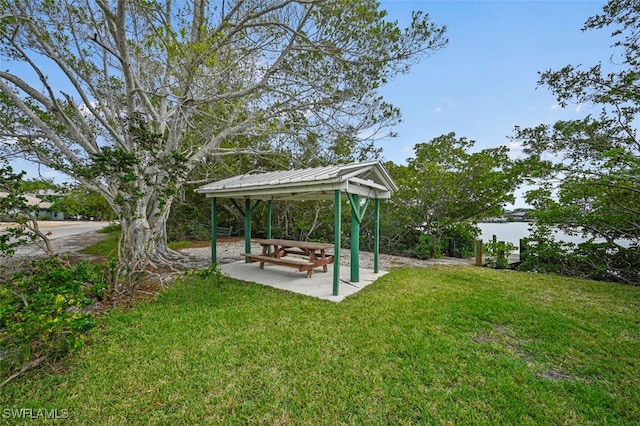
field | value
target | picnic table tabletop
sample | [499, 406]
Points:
[310, 245]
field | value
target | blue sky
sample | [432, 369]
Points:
[484, 82]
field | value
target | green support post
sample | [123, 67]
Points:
[247, 227]
[214, 232]
[269, 215]
[337, 233]
[376, 235]
[355, 238]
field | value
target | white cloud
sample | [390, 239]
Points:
[445, 103]
[555, 107]
[579, 107]
[515, 150]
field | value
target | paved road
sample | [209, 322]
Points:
[65, 237]
[71, 228]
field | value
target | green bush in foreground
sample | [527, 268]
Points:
[41, 311]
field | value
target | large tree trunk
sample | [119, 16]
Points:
[143, 244]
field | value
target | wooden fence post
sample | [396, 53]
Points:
[478, 252]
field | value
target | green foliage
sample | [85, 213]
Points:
[598, 261]
[464, 236]
[446, 184]
[497, 253]
[304, 220]
[85, 203]
[428, 247]
[14, 202]
[126, 170]
[41, 310]
[190, 217]
[209, 273]
[13, 237]
[588, 170]
[542, 253]
[34, 185]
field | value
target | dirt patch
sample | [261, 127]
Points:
[554, 375]
[502, 336]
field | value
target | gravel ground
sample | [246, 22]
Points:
[230, 250]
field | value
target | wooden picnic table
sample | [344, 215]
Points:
[308, 255]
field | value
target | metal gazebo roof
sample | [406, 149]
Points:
[368, 179]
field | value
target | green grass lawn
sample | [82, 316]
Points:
[437, 345]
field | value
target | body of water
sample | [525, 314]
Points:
[512, 232]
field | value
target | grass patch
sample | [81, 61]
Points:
[176, 245]
[109, 247]
[106, 248]
[111, 229]
[434, 345]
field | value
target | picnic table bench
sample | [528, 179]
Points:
[223, 231]
[310, 255]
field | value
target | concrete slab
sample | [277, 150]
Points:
[320, 284]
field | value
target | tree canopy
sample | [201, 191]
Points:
[446, 183]
[128, 96]
[588, 170]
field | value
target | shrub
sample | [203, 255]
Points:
[590, 260]
[41, 311]
[463, 234]
[498, 253]
[428, 247]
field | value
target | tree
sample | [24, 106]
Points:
[32, 185]
[14, 202]
[191, 212]
[445, 184]
[80, 201]
[128, 96]
[588, 170]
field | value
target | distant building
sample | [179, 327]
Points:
[518, 215]
[43, 208]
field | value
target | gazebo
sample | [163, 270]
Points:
[358, 182]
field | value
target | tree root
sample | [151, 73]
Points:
[30, 366]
